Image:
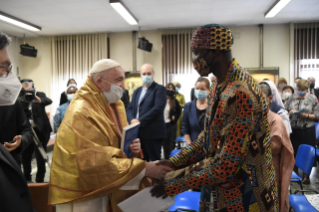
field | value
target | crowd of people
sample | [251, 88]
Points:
[237, 151]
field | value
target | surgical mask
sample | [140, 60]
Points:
[147, 80]
[170, 93]
[201, 95]
[114, 95]
[177, 89]
[281, 86]
[286, 95]
[301, 93]
[312, 86]
[10, 87]
[70, 96]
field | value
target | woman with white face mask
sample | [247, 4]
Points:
[194, 111]
[282, 82]
[287, 92]
[303, 110]
[58, 117]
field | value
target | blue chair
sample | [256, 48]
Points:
[186, 201]
[180, 142]
[174, 152]
[304, 160]
[317, 130]
[300, 203]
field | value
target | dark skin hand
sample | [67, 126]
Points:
[159, 190]
[166, 163]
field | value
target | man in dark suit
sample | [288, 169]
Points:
[312, 89]
[41, 125]
[125, 98]
[14, 192]
[147, 108]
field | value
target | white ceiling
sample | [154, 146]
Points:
[58, 17]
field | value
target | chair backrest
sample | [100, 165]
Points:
[174, 152]
[40, 195]
[305, 158]
[317, 130]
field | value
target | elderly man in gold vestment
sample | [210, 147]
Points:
[89, 170]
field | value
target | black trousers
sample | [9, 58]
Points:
[151, 148]
[169, 141]
[27, 158]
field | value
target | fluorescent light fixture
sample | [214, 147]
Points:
[275, 8]
[18, 22]
[121, 9]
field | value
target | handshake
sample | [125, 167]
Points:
[157, 170]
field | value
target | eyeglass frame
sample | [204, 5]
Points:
[7, 68]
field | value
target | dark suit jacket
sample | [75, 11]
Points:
[151, 111]
[317, 93]
[14, 192]
[125, 98]
[193, 97]
[39, 115]
[14, 122]
[63, 98]
[176, 112]
[190, 124]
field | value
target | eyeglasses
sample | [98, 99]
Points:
[7, 68]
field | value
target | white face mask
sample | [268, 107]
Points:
[114, 95]
[286, 95]
[10, 87]
[70, 96]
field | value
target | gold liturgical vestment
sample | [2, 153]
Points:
[87, 162]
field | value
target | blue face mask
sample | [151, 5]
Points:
[301, 93]
[201, 95]
[70, 96]
[147, 80]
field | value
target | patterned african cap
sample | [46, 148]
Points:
[212, 36]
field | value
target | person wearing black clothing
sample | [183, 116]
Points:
[64, 98]
[42, 128]
[14, 192]
[125, 98]
[172, 112]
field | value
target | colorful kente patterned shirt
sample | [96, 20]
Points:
[231, 159]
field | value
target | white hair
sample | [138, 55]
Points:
[94, 76]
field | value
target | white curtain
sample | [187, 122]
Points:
[176, 53]
[72, 57]
[306, 50]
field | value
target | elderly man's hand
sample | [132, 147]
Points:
[135, 121]
[156, 171]
[159, 190]
[135, 147]
[12, 146]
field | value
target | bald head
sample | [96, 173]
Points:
[312, 80]
[147, 68]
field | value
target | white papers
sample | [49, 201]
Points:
[144, 202]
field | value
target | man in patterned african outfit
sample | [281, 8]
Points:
[231, 159]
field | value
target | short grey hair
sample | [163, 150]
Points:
[4, 40]
[265, 88]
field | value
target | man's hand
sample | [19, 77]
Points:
[135, 147]
[12, 146]
[173, 118]
[156, 171]
[134, 121]
[303, 115]
[166, 163]
[159, 190]
[37, 99]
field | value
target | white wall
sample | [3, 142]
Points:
[245, 49]
[39, 69]
[13, 51]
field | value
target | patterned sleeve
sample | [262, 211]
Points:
[231, 150]
[192, 153]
